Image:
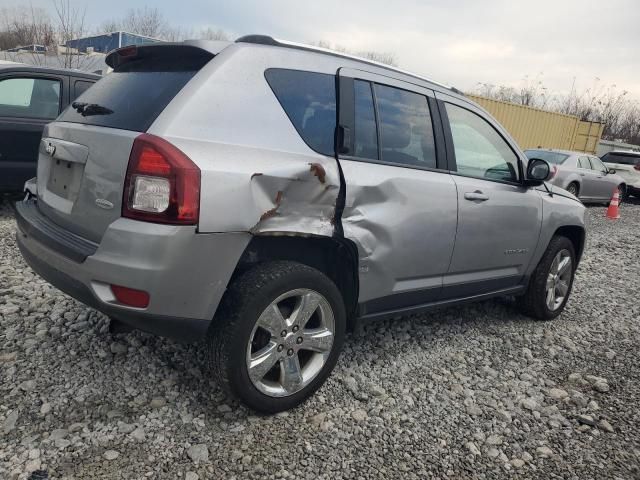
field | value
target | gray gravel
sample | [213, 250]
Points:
[473, 392]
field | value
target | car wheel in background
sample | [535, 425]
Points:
[277, 336]
[573, 189]
[550, 284]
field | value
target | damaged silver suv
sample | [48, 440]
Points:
[262, 195]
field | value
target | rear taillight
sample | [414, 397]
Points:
[162, 184]
[637, 167]
[554, 171]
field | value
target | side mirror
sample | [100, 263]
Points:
[538, 171]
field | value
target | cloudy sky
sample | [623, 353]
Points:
[459, 43]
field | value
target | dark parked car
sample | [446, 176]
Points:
[30, 97]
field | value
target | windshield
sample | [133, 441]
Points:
[551, 157]
[622, 158]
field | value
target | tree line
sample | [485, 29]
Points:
[600, 102]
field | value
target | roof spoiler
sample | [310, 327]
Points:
[183, 51]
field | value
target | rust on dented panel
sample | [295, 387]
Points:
[271, 212]
[318, 171]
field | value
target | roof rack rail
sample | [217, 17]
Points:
[268, 40]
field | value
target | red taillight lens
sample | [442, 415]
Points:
[637, 167]
[162, 184]
[130, 296]
[554, 171]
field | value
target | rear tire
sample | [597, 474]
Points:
[236, 353]
[573, 189]
[536, 302]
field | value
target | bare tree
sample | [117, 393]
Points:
[145, 21]
[387, 58]
[211, 34]
[531, 93]
[70, 25]
[25, 26]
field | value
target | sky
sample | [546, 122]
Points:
[459, 43]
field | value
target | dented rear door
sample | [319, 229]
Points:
[400, 204]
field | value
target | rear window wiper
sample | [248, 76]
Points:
[86, 109]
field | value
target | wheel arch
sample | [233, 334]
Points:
[577, 182]
[335, 257]
[576, 234]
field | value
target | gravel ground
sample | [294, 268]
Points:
[472, 392]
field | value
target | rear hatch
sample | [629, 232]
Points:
[626, 164]
[84, 154]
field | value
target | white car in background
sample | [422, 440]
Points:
[627, 165]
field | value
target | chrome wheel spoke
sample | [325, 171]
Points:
[550, 281]
[263, 361]
[318, 340]
[562, 288]
[307, 306]
[272, 320]
[554, 264]
[563, 265]
[551, 298]
[291, 373]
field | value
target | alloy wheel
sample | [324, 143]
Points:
[290, 343]
[559, 280]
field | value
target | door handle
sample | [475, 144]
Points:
[582, 174]
[477, 195]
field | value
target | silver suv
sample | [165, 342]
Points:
[264, 195]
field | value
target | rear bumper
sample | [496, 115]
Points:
[184, 272]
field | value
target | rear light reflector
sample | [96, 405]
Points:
[162, 184]
[130, 296]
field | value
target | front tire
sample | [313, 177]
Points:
[277, 335]
[551, 282]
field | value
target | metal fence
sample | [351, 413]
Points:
[533, 127]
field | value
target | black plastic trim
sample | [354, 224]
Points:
[425, 307]
[33, 223]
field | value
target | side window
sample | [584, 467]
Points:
[29, 97]
[79, 87]
[597, 164]
[366, 136]
[583, 162]
[309, 99]
[406, 132]
[480, 150]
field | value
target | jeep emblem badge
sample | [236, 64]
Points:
[102, 203]
[50, 148]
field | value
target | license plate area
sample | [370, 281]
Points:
[65, 179]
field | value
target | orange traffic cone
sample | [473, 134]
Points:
[612, 211]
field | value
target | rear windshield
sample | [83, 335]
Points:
[131, 97]
[551, 157]
[621, 158]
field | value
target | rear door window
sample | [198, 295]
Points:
[583, 162]
[406, 131]
[30, 97]
[133, 95]
[309, 100]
